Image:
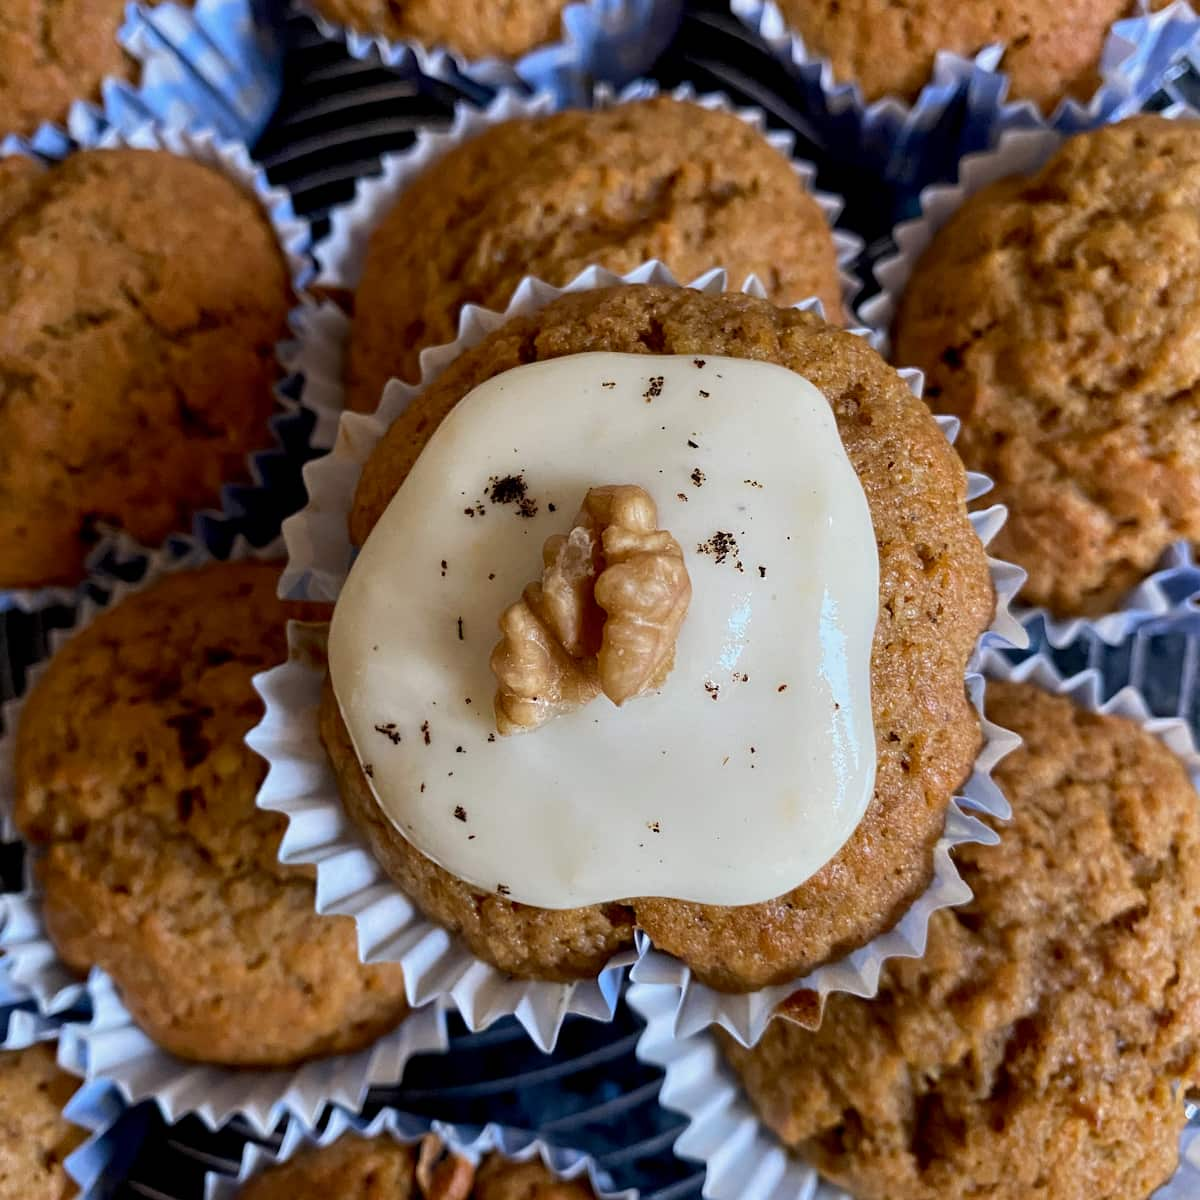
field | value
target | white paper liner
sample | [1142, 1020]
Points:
[301, 783]
[613, 40]
[109, 1047]
[1175, 584]
[742, 1159]
[897, 136]
[322, 329]
[469, 1142]
[89, 131]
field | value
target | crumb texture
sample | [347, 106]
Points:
[1059, 316]
[550, 195]
[1041, 1047]
[888, 47]
[134, 780]
[935, 599]
[141, 297]
[35, 1137]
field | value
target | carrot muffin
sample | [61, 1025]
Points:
[1055, 315]
[920, 733]
[53, 52]
[472, 30]
[141, 297]
[357, 1168]
[35, 1137]
[888, 47]
[134, 782]
[550, 195]
[1042, 1045]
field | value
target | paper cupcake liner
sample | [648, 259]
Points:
[109, 1048]
[743, 1160]
[910, 142]
[612, 40]
[301, 783]
[322, 329]
[289, 424]
[1175, 586]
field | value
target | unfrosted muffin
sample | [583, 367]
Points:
[1057, 315]
[134, 781]
[935, 598]
[551, 195]
[1041, 1046]
[473, 30]
[141, 297]
[53, 52]
[357, 1168]
[888, 47]
[35, 1137]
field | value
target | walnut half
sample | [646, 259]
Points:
[603, 618]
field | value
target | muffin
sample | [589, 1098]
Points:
[134, 784]
[1042, 1045]
[473, 31]
[935, 598]
[53, 53]
[1055, 315]
[1052, 51]
[35, 1137]
[356, 1168]
[550, 195]
[141, 297]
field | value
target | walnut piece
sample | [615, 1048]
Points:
[603, 618]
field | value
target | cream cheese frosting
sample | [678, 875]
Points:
[753, 762]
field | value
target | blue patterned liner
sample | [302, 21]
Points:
[913, 142]
[469, 1142]
[106, 1048]
[612, 41]
[742, 1158]
[1173, 589]
[289, 427]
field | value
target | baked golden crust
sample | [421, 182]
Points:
[1038, 1048]
[492, 29]
[1057, 315]
[551, 195]
[888, 47]
[141, 297]
[35, 1138]
[935, 599]
[133, 776]
[354, 1168]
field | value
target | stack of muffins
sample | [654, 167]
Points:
[1043, 1044]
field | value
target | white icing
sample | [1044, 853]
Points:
[727, 796]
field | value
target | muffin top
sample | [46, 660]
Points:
[53, 52]
[473, 30]
[356, 1168]
[133, 776]
[888, 47]
[1057, 315]
[1038, 1046]
[551, 195]
[35, 1137]
[935, 599]
[141, 297]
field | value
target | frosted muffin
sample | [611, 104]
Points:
[35, 1137]
[1055, 315]
[551, 195]
[888, 48]
[1042, 1045]
[721, 406]
[135, 783]
[358, 1168]
[141, 297]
